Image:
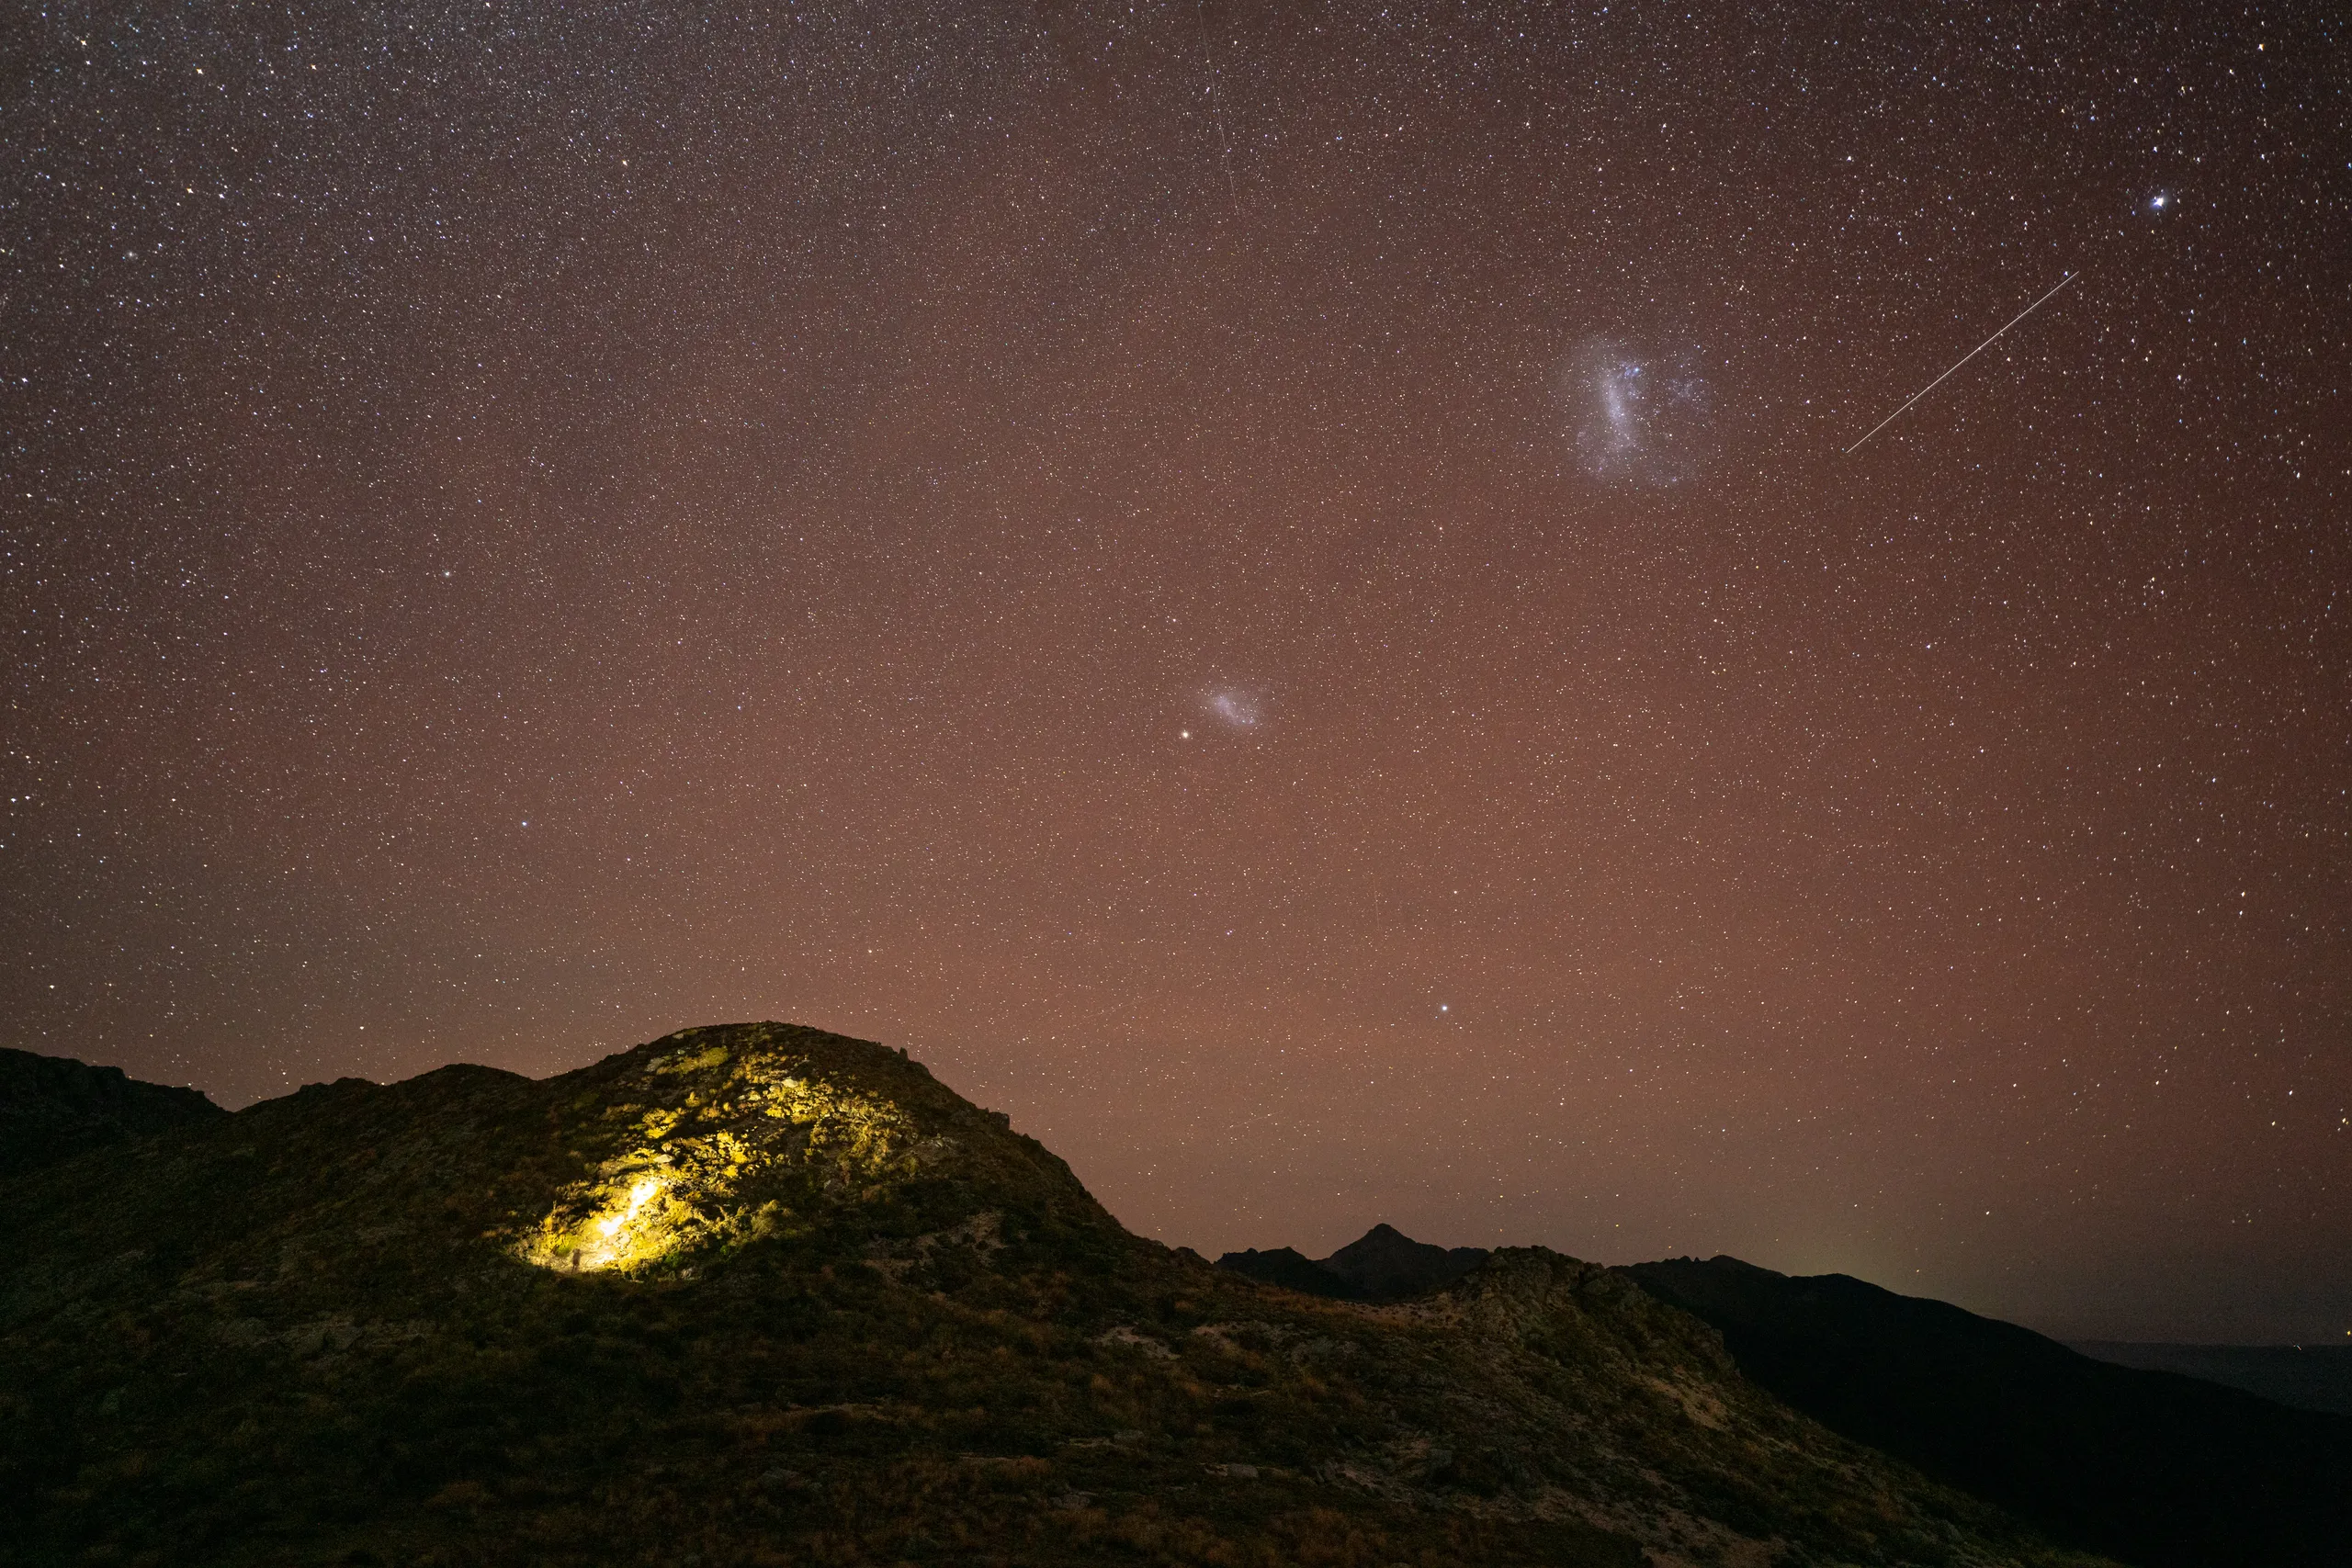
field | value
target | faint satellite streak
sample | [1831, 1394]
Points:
[1963, 359]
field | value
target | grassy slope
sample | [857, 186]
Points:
[307, 1333]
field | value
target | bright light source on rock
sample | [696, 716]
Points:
[721, 1149]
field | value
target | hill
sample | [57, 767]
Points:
[760, 1294]
[53, 1108]
[2147, 1466]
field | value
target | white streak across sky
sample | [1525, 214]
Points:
[1964, 358]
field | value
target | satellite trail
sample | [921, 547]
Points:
[1963, 359]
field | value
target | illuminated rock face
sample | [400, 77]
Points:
[724, 1142]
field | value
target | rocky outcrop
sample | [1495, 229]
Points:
[53, 1108]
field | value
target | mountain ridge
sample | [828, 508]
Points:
[758, 1293]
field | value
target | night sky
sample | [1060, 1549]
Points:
[1278, 594]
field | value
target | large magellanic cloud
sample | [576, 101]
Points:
[1634, 415]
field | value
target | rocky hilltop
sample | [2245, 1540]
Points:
[760, 1294]
[53, 1108]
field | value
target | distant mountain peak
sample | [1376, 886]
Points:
[1384, 1264]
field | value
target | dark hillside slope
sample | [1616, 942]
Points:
[1293, 1271]
[2148, 1467]
[53, 1108]
[765, 1296]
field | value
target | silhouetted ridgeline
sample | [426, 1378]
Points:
[1383, 1265]
[2147, 1466]
[761, 1294]
[52, 1108]
[2309, 1377]
[1293, 1271]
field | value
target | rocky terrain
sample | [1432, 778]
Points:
[759, 1294]
[52, 1108]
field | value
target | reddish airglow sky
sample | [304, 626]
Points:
[1281, 600]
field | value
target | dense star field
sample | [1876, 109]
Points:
[1279, 593]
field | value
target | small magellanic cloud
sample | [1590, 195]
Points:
[1233, 708]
